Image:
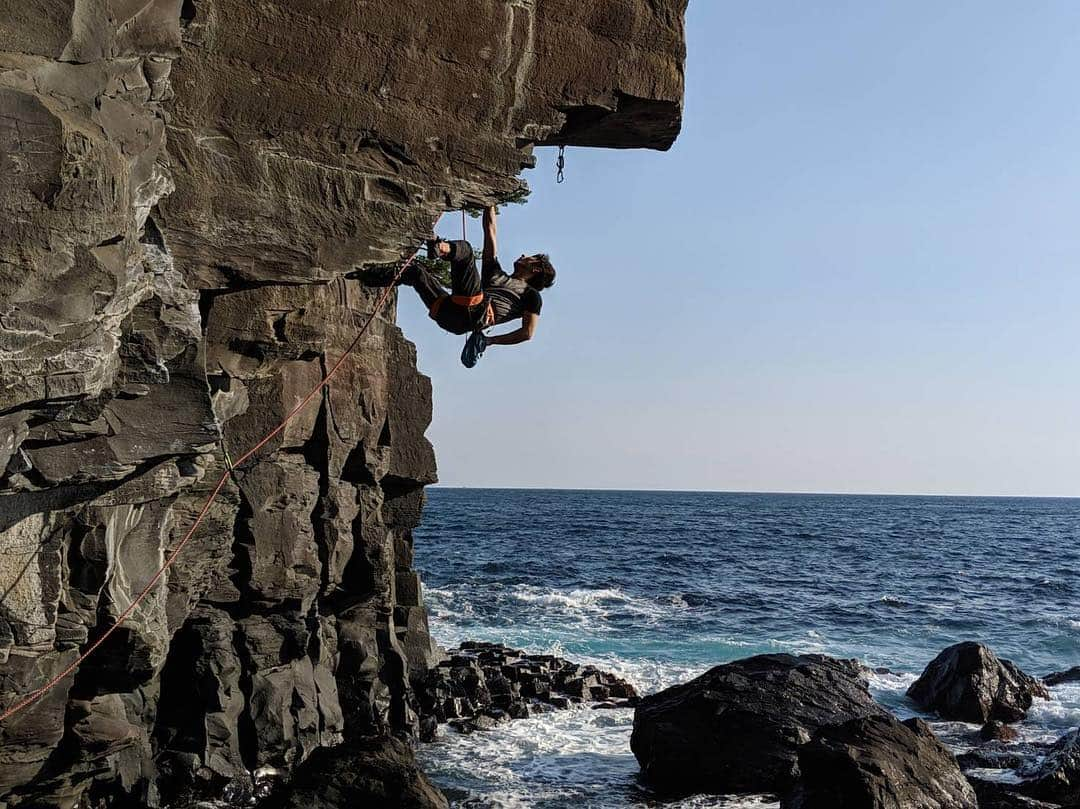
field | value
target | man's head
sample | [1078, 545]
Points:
[535, 270]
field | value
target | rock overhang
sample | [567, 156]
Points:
[206, 173]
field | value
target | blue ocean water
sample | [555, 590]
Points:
[660, 586]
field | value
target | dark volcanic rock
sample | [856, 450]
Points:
[1001, 755]
[996, 795]
[188, 188]
[1056, 777]
[738, 727]
[366, 772]
[968, 682]
[878, 762]
[1058, 677]
[996, 730]
[481, 684]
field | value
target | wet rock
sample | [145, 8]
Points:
[739, 726]
[1056, 776]
[878, 762]
[1000, 755]
[378, 772]
[1060, 677]
[998, 795]
[970, 683]
[996, 730]
[480, 684]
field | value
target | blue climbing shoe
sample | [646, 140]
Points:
[474, 349]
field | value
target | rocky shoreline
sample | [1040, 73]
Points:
[802, 728]
[806, 730]
[475, 687]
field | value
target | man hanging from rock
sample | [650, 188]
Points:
[490, 298]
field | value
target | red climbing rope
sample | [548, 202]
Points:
[34, 696]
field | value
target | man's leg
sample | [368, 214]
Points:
[464, 279]
[425, 284]
[441, 307]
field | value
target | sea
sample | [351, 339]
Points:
[661, 586]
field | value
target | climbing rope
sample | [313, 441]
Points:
[231, 466]
[560, 165]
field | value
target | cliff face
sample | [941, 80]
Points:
[186, 184]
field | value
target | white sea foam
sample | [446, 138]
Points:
[579, 607]
[582, 757]
[1001, 776]
[584, 605]
[679, 601]
[1049, 719]
[579, 757]
[890, 689]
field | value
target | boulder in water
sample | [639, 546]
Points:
[738, 727]
[369, 772]
[1059, 677]
[996, 730]
[878, 762]
[970, 683]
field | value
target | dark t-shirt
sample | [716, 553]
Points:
[510, 298]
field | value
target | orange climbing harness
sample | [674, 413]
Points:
[34, 696]
[468, 301]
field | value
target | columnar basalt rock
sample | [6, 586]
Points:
[187, 187]
[481, 684]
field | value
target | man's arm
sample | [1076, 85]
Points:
[519, 335]
[490, 248]
[452, 250]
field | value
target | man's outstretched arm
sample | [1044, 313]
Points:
[519, 335]
[490, 247]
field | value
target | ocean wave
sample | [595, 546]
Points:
[579, 600]
[889, 582]
[883, 681]
[1054, 717]
[558, 759]
[892, 601]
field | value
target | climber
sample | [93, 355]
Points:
[477, 301]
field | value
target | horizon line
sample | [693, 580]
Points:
[758, 491]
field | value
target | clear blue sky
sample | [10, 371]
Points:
[858, 270]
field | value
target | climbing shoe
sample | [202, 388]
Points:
[474, 349]
[378, 275]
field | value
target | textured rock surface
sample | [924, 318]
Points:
[878, 762]
[378, 772]
[1060, 677]
[481, 684]
[996, 730]
[186, 185]
[968, 682]
[996, 795]
[738, 727]
[1057, 776]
